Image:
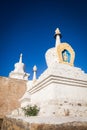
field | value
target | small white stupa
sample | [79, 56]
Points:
[19, 72]
[26, 99]
[61, 89]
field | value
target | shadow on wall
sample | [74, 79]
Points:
[1, 120]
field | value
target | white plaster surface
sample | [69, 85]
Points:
[59, 91]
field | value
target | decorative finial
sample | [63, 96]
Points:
[34, 74]
[20, 60]
[57, 32]
[57, 37]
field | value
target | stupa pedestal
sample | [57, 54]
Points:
[61, 92]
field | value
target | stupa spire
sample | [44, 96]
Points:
[20, 60]
[57, 36]
[34, 74]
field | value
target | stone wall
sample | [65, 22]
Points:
[18, 124]
[11, 90]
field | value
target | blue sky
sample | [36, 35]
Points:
[28, 27]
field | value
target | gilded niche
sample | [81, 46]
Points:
[66, 54]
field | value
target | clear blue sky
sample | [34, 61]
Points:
[27, 26]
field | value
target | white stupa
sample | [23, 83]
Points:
[61, 89]
[18, 71]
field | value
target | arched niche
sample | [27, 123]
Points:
[66, 54]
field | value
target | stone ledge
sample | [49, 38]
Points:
[58, 80]
[44, 123]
